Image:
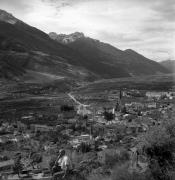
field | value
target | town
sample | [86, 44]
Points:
[95, 130]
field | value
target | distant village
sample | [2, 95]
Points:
[89, 127]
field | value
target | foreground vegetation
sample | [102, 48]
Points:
[158, 146]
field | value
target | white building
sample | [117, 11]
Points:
[82, 110]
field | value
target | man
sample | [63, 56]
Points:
[62, 165]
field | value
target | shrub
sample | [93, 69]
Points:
[84, 147]
[159, 144]
[121, 172]
[66, 108]
[112, 160]
[98, 177]
[109, 116]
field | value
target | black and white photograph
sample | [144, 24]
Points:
[87, 89]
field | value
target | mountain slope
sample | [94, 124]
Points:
[24, 49]
[32, 39]
[35, 50]
[20, 37]
[140, 65]
[126, 63]
[169, 64]
[98, 59]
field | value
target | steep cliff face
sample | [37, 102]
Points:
[66, 39]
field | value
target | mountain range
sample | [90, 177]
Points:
[169, 64]
[31, 55]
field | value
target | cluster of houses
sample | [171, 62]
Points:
[87, 124]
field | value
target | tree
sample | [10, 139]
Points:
[84, 147]
[18, 167]
[124, 110]
[109, 116]
[66, 108]
[159, 145]
[36, 158]
[117, 107]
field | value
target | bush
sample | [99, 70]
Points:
[112, 160]
[84, 147]
[121, 172]
[64, 108]
[98, 177]
[159, 145]
[109, 116]
[52, 162]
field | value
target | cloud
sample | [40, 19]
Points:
[119, 37]
[164, 8]
[17, 7]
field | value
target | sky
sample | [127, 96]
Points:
[146, 26]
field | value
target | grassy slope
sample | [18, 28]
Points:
[156, 82]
